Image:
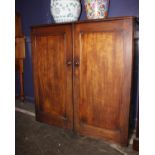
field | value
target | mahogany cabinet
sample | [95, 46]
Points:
[83, 76]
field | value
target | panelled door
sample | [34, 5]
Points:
[102, 78]
[52, 66]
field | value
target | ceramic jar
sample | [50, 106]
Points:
[96, 9]
[65, 10]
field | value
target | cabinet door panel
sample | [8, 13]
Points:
[100, 78]
[99, 92]
[52, 78]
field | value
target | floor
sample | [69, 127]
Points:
[35, 138]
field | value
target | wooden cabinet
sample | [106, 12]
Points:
[19, 53]
[83, 75]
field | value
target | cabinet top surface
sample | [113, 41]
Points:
[88, 21]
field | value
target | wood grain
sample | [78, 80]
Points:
[103, 79]
[19, 53]
[51, 76]
[83, 76]
[20, 47]
[18, 25]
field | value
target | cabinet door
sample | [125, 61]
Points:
[102, 79]
[52, 48]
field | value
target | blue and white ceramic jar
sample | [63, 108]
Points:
[65, 10]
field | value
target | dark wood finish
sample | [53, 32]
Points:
[20, 47]
[97, 57]
[52, 53]
[18, 25]
[136, 64]
[19, 53]
[89, 21]
[19, 68]
[103, 79]
[136, 139]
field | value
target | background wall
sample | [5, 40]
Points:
[36, 12]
